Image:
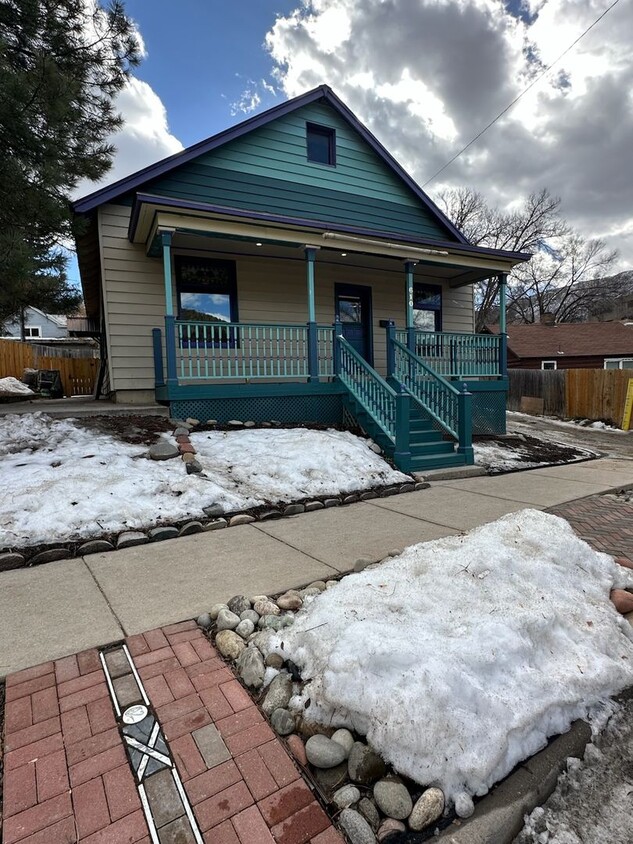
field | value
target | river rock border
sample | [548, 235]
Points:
[214, 516]
[365, 796]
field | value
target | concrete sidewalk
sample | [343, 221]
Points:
[60, 608]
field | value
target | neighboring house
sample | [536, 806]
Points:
[38, 325]
[284, 269]
[572, 345]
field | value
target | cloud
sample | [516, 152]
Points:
[427, 75]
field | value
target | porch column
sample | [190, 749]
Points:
[313, 349]
[503, 334]
[170, 327]
[408, 271]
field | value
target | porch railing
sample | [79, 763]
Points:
[454, 354]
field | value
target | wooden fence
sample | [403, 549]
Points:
[78, 374]
[573, 393]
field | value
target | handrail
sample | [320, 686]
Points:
[436, 395]
[372, 391]
[456, 354]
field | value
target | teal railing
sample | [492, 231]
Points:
[455, 354]
[450, 407]
[251, 351]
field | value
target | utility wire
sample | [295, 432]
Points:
[518, 97]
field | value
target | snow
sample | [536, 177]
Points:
[10, 386]
[61, 481]
[592, 801]
[567, 423]
[460, 657]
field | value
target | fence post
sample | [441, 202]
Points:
[159, 375]
[336, 349]
[465, 424]
[390, 327]
[170, 349]
[402, 453]
[313, 352]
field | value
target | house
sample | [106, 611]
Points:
[288, 268]
[37, 325]
[572, 345]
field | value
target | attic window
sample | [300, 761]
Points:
[321, 144]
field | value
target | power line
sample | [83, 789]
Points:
[518, 97]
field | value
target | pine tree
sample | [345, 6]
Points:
[62, 63]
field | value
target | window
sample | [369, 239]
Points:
[207, 293]
[321, 144]
[618, 363]
[549, 364]
[33, 331]
[427, 307]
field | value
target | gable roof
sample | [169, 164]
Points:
[572, 339]
[321, 93]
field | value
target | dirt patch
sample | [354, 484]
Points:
[137, 430]
[531, 451]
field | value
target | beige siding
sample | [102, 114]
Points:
[270, 290]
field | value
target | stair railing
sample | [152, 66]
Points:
[388, 408]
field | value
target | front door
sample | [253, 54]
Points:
[353, 309]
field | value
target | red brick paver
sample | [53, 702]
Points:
[603, 521]
[67, 778]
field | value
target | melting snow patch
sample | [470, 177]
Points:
[460, 657]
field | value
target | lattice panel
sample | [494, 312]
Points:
[323, 409]
[489, 412]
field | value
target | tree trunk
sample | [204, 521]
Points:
[22, 324]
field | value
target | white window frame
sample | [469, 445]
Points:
[31, 331]
[549, 368]
[619, 361]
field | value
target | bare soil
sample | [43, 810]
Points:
[528, 449]
[137, 430]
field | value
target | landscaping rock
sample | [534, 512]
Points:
[368, 496]
[178, 423]
[362, 563]
[297, 748]
[317, 584]
[212, 510]
[308, 593]
[190, 527]
[266, 607]
[331, 502]
[239, 604]
[393, 799]
[364, 764]
[422, 485]
[216, 524]
[388, 827]
[212, 421]
[250, 665]
[322, 752]
[274, 661]
[227, 620]
[282, 722]
[249, 615]
[181, 431]
[266, 515]
[163, 450]
[94, 546]
[395, 552]
[376, 448]
[235, 423]
[13, 560]
[275, 622]
[368, 810]
[351, 499]
[345, 739]
[464, 806]
[50, 556]
[313, 505]
[346, 796]
[229, 644]
[241, 519]
[427, 810]
[191, 421]
[249, 424]
[356, 827]
[245, 628]
[279, 692]
[407, 488]
[158, 534]
[215, 610]
[188, 457]
[290, 601]
[330, 779]
[194, 467]
[129, 538]
[204, 620]
[293, 509]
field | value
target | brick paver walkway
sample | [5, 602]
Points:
[603, 521]
[67, 778]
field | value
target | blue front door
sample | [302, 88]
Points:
[353, 309]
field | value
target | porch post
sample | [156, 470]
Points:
[170, 328]
[408, 271]
[503, 334]
[313, 348]
[390, 327]
[465, 425]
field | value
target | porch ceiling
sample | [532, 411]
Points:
[192, 228]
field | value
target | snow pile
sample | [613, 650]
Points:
[60, 481]
[11, 387]
[592, 801]
[459, 658]
[285, 465]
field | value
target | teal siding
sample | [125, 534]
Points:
[267, 171]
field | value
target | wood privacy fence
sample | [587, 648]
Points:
[78, 374]
[573, 393]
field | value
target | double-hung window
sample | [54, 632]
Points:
[207, 300]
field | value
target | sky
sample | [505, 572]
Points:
[424, 75]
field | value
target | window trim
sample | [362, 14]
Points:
[231, 340]
[438, 312]
[549, 368]
[31, 328]
[321, 129]
[618, 361]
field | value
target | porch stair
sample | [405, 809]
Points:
[428, 448]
